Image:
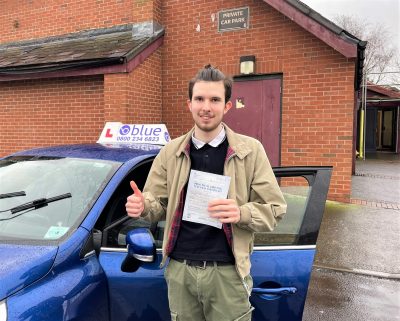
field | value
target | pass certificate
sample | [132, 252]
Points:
[202, 188]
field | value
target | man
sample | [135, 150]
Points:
[208, 274]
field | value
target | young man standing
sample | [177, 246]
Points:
[208, 274]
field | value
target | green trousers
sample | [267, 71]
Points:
[213, 293]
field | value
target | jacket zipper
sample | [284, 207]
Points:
[176, 206]
[233, 245]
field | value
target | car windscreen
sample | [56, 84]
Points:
[42, 198]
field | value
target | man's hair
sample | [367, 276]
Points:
[210, 73]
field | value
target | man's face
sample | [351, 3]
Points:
[208, 105]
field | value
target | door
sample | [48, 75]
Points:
[281, 262]
[256, 112]
[388, 129]
[141, 295]
[381, 129]
[371, 129]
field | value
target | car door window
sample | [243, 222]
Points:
[305, 190]
[114, 222]
[296, 191]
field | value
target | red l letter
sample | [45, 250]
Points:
[108, 133]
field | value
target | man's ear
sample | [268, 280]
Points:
[189, 104]
[228, 106]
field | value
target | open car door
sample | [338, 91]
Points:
[281, 262]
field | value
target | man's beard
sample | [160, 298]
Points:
[207, 127]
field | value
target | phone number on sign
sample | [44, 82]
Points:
[138, 139]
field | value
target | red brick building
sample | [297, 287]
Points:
[68, 67]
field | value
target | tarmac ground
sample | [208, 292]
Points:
[356, 273]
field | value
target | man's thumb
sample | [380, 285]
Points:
[135, 189]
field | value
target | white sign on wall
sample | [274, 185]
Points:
[116, 132]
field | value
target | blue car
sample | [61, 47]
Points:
[64, 234]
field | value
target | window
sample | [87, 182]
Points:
[114, 221]
[295, 191]
[49, 177]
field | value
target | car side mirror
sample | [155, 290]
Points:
[141, 248]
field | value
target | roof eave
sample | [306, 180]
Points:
[317, 25]
[324, 29]
[122, 64]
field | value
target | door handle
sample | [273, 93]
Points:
[274, 293]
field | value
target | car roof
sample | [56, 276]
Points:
[112, 152]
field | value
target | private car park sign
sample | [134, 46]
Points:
[116, 132]
[233, 19]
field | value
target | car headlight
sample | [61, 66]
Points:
[3, 311]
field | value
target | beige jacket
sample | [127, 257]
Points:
[253, 186]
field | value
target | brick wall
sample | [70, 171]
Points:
[37, 113]
[116, 97]
[146, 10]
[135, 97]
[35, 19]
[45, 112]
[75, 104]
[317, 99]
[145, 91]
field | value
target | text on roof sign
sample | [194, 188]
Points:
[115, 132]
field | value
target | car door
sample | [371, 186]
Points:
[281, 261]
[140, 295]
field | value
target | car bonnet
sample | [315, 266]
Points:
[21, 265]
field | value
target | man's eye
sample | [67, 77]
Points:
[214, 100]
[198, 98]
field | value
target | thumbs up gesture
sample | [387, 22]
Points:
[135, 203]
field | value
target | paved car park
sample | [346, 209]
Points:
[356, 274]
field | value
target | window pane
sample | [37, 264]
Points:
[114, 220]
[295, 191]
[43, 177]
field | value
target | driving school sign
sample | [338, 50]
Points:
[233, 19]
[115, 132]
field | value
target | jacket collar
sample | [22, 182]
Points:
[239, 147]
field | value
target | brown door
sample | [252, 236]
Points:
[256, 112]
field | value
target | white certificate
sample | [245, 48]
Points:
[202, 188]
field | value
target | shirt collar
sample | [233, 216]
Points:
[214, 143]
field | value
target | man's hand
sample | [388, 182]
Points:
[135, 203]
[226, 210]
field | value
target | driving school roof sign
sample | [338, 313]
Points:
[115, 132]
[233, 19]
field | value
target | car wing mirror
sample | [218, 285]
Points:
[141, 249]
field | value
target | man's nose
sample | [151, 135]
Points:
[206, 104]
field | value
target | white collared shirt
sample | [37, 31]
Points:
[214, 143]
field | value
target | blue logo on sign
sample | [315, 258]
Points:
[124, 130]
[166, 136]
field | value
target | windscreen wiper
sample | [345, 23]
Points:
[38, 203]
[13, 194]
